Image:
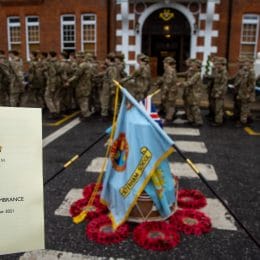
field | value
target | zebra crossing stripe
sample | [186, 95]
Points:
[182, 131]
[60, 255]
[178, 169]
[73, 195]
[192, 147]
[183, 170]
[219, 221]
[219, 216]
[52, 137]
[180, 121]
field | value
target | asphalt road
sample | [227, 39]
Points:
[232, 152]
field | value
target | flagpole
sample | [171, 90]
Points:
[196, 170]
[76, 157]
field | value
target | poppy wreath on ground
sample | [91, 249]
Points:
[157, 236]
[190, 222]
[100, 230]
[94, 210]
[87, 191]
[192, 199]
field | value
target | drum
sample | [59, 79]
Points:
[145, 210]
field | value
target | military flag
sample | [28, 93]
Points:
[137, 161]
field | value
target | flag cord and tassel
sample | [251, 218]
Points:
[196, 170]
[79, 218]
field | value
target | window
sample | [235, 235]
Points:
[68, 39]
[88, 33]
[14, 33]
[32, 35]
[249, 35]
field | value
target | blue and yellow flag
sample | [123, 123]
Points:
[137, 161]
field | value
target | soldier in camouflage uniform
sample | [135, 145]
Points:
[97, 81]
[193, 85]
[120, 64]
[5, 79]
[35, 80]
[108, 88]
[141, 77]
[53, 84]
[62, 98]
[245, 91]
[186, 75]
[218, 90]
[83, 84]
[169, 89]
[17, 80]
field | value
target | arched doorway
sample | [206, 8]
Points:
[166, 32]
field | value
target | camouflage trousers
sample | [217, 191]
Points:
[107, 100]
[169, 106]
[218, 109]
[14, 99]
[243, 110]
[194, 114]
[83, 102]
[49, 98]
[4, 98]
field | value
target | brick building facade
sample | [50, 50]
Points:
[180, 28]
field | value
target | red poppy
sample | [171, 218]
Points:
[157, 236]
[100, 230]
[190, 221]
[87, 190]
[192, 199]
[95, 210]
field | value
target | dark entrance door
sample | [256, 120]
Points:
[164, 36]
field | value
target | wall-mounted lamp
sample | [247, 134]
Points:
[137, 27]
[195, 28]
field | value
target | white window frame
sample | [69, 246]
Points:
[28, 24]
[253, 19]
[62, 30]
[83, 22]
[9, 25]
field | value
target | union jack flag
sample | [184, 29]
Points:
[151, 110]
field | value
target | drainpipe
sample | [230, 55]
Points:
[230, 11]
[108, 24]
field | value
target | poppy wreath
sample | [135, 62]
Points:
[95, 210]
[190, 222]
[192, 199]
[87, 191]
[157, 236]
[100, 230]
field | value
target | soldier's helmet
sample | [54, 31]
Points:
[80, 54]
[146, 59]
[220, 60]
[197, 63]
[111, 56]
[89, 56]
[141, 56]
[120, 56]
[169, 60]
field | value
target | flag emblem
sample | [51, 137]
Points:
[119, 153]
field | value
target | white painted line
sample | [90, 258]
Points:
[182, 131]
[180, 121]
[180, 113]
[178, 169]
[220, 217]
[192, 147]
[47, 140]
[183, 170]
[73, 195]
[60, 255]
[96, 165]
